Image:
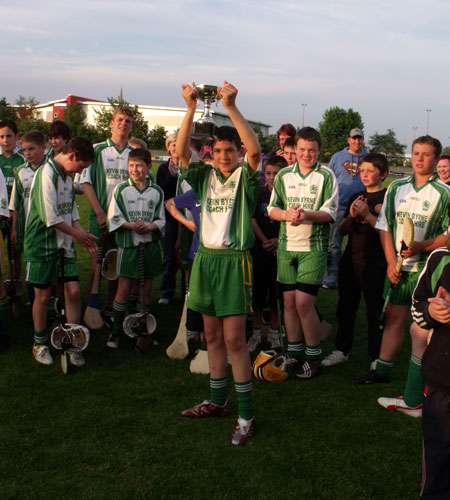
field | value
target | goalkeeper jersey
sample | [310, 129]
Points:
[9, 166]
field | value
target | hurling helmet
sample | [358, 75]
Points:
[139, 324]
[270, 366]
[70, 337]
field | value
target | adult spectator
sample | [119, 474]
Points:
[345, 165]
[167, 178]
[443, 169]
[286, 130]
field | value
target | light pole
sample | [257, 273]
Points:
[428, 119]
[303, 114]
[414, 132]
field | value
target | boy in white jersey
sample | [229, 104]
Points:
[304, 199]
[424, 199]
[109, 169]
[135, 215]
[52, 224]
[221, 277]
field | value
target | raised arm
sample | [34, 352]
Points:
[183, 149]
[228, 94]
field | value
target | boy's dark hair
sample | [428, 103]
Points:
[427, 139]
[290, 142]
[59, 129]
[229, 134]
[11, 124]
[82, 147]
[276, 161]
[123, 110]
[141, 154]
[34, 136]
[444, 157]
[378, 160]
[308, 134]
[287, 129]
[196, 144]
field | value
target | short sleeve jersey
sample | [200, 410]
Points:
[130, 204]
[20, 195]
[317, 190]
[52, 200]
[4, 211]
[9, 166]
[227, 204]
[425, 205]
[110, 168]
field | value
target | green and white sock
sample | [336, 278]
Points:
[218, 390]
[313, 352]
[295, 349]
[415, 383]
[120, 311]
[41, 338]
[244, 397]
[384, 368]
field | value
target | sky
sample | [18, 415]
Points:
[388, 60]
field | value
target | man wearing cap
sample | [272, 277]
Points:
[345, 165]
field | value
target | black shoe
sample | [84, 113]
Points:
[5, 342]
[309, 369]
[372, 378]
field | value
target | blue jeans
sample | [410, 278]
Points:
[334, 252]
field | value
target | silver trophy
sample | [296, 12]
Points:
[204, 127]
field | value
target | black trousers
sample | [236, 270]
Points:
[355, 281]
[436, 446]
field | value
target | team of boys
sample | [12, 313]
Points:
[300, 194]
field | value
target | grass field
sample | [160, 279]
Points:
[112, 429]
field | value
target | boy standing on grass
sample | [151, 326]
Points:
[109, 169]
[52, 224]
[265, 259]
[135, 216]
[221, 277]
[362, 268]
[424, 199]
[9, 159]
[304, 199]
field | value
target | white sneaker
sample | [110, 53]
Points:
[334, 358]
[253, 342]
[373, 365]
[76, 358]
[274, 340]
[42, 354]
[398, 404]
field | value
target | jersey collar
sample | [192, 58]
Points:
[111, 144]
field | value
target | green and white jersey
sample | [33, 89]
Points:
[52, 200]
[228, 204]
[110, 168]
[20, 195]
[4, 210]
[317, 190]
[426, 206]
[9, 166]
[130, 204]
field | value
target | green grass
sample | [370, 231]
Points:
[112, 430]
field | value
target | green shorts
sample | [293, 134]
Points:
[403, 290]
[46, 272]
[301, 267]
[221, 282]
[128, 261]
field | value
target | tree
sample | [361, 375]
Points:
[157, 137]
[446, 150]
[334, 129]
[268, 142]
[104, 117]
[27, 116]
[388, 145]
[75, 116]
[7, 111]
